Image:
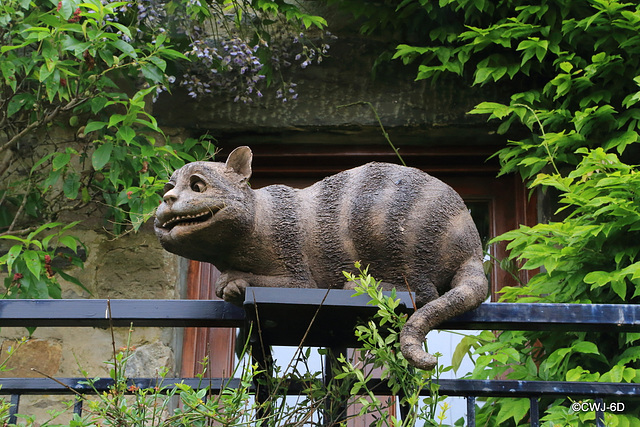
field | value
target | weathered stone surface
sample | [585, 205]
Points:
[43, 355]
[133, 266]
[148, 360]
[327, 90]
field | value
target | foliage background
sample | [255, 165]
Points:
[77, 131]
[569, 70]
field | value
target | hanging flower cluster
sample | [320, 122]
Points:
[237, 58]
[232, 67]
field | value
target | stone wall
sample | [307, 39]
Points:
[132, 266]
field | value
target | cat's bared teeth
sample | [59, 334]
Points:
[184, 219]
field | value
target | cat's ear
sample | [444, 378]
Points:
[239, 161]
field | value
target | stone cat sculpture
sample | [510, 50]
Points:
[412, 229]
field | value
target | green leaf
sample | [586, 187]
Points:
[94, 125]
[575, 374]
[121, 28]
[54, 291]
[482, 75]
[73, 280]
[620, 288]
[85, 197]
[45, 72]
[18, 102]
[172, 54]
[102, 155]
[598, 278]
[158, 62]
[116, 119]
[51, 179]
[12, 255]
[8, 69]
[69, 241]
[77, 47]
[32, 260]
[585, 347]
[125, 48]
[495, 109]
[152, 72]
[66, 9]
[566, 67]
[71, 186]
[621, 141]
[514, 408]
[126, 133]
[40, 229]
[5, 49]
[97, 104]
[615, 374]
[462, 349]
[61, 160]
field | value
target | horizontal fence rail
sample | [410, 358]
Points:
[95, 312]
[461, 388]
[197, 313]
[332, 312]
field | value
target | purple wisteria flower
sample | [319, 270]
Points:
[235, 56]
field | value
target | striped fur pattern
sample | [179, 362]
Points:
[413, 231]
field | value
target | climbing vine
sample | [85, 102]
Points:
[569, 83]
[77, 133]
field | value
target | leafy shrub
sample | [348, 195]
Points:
[125, 404]
[568, 76]
[76, 132]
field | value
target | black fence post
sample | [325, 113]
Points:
[471, 411]
[77, 406]
[534, 412]
[15, 406]
[599, 412]
[335, 410]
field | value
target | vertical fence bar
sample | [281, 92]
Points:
[599, 412]
[77, 406]
[471, 411]
[334, 412]
[534, 413]
[264, 359]
[13, 410]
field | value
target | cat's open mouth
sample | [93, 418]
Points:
[188, 220]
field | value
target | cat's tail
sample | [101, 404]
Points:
[469, 288]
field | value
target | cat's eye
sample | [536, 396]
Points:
[197, 184]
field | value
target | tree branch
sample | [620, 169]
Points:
[31, 126]
[21, 208]
[6, 161]
[19, 232]
[46, 119]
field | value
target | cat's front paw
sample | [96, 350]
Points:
[231, 290]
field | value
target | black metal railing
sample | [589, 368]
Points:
[322, 318]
